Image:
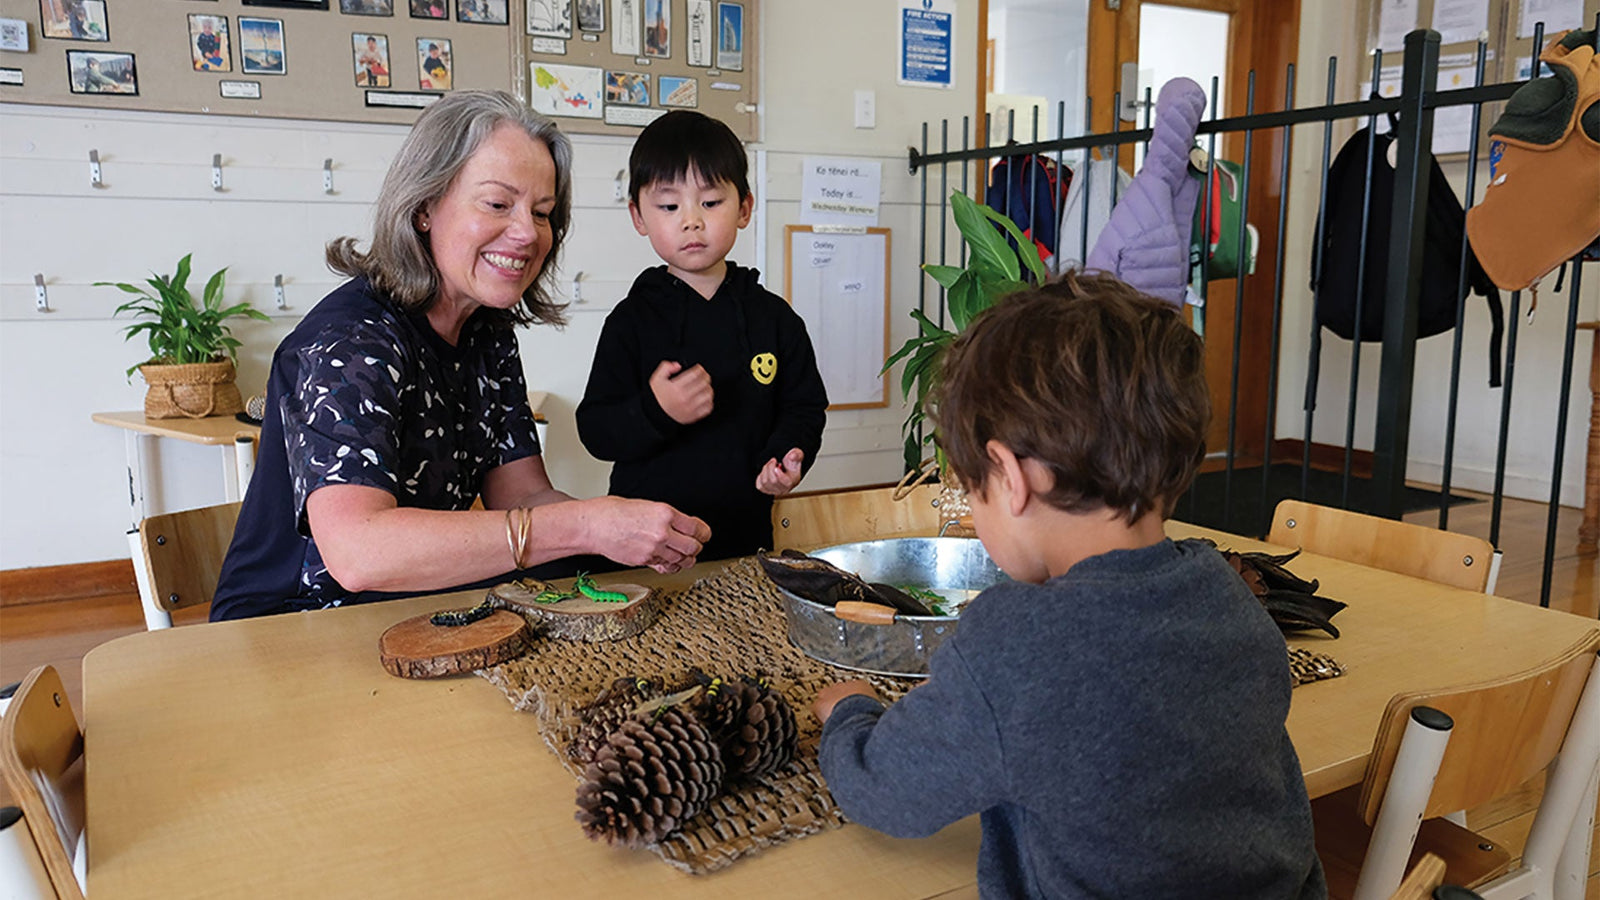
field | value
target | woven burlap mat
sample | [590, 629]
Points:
[728, 623]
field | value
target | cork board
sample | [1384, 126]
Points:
[311, 74]
[613, 66]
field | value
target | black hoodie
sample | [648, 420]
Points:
[707, 468]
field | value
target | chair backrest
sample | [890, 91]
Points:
[1419, 883]
[41, 758]
[808, 521]
[1505, 732]
[183, 553]
[1443, 557]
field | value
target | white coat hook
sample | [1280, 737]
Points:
[41, 300]
[94, 169]
[277, 292]
[577, 288]
[619, 186]
[327, 176]
[216, 171]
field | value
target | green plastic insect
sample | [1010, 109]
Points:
[453, 618]
[588, 588]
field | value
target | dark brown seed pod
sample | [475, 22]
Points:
[656, 771]
[607, 711]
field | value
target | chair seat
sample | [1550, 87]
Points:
[1342, 838]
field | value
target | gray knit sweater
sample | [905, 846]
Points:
[1120, 728]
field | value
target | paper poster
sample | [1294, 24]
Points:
[1388, 84]
[1460, 21]
[700, 27]
[679, 92]
[1557, 15]
[840, 191]
[550, 18]
[1395, 18]
[927, 42]
[839, 284]
[571, 91]
[625, 27]
[1452, 125]
[730, 36]
[658, 28]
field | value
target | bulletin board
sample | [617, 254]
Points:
[296, 59]
[613, 66]
[838, 281]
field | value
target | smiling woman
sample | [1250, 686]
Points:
[399, 400]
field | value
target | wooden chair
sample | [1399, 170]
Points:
[41, 758]
[811, 520]
[1443, 557]
[1458, 748]
[179, 559]
[1419, 883]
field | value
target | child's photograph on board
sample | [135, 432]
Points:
[261, 46]
[101, 73]
[371, 52]
[433, 64]
[485, 12]
[430, 9]
[208, 43]
[367, 7]
[75, 20]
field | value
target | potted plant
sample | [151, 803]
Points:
[190, 371]
[995, 267]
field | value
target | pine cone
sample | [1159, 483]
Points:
[607, 711]
[656, 771]
[752, 724]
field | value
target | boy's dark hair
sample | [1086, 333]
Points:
[685, 142]
[1102, 384]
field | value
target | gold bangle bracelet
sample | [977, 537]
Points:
[524, 530]
[511, 538]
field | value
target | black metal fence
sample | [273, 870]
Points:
[1413, 112]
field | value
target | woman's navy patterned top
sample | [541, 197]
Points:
[364, 393]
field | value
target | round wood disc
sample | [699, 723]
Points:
[417, 648]
[582, 619]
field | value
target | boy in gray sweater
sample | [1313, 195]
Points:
[1116, 715]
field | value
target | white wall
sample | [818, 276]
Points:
[63, 495]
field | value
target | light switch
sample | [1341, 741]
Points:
[866, 109]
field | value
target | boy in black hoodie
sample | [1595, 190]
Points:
[704, 391]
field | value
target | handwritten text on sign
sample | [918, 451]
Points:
[840, 191]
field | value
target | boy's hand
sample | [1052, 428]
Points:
[777, 478]
[684, 395]
[828, 697]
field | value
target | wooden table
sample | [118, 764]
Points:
[222, 432]
[275, 757]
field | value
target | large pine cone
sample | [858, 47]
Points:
[607, 711]
[656, 771]
[752, 724]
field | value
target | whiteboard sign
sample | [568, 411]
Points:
[839, 284]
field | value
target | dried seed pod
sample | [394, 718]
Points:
[1292, 601]
[752, 723]
[607, 711]
[656, 771]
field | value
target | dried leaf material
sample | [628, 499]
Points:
[753, 725]
[655, 772]
[607, 712]
[1292, 601]
[822, 582]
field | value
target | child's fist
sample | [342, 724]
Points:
[777, 478]
[828, 697]
[684, 395]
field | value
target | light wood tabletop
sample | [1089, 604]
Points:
[213, 431]
[275, 757]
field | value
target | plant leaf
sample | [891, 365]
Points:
[986, 243]
[945, 275]
[1024, 248]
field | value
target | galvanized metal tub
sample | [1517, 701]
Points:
[871, 638]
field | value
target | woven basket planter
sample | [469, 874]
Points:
[191, 391]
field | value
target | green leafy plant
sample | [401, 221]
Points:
[995, 267]
[179, 330]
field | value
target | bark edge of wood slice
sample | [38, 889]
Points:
[582, 619]
[417, 648]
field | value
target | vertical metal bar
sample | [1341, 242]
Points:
[1061, 175]
[1285, 144]
[1010, 163]
[1313, 373]
[1243, 237]
[1462, 289]
[1205, 215]
[1506, 381]
[1116, 149]
[1088, 183]
[1396, 372]
[1034, 164]
[944, 200]
[1361, 289]
[1562, 404]
[922, 228]
[965, 169]
[1538, 48]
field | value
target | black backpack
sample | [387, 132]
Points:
[1339, 252]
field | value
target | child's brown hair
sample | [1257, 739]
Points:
[1102, 384]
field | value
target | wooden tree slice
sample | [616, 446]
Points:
[417, 648]
[582, 619]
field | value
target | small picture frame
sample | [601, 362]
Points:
[367, 7]
[628, 88]
[371, 55]
[678, 91]
[435, 64]
[289, 4]
[730, 36]
[658, 28]
[483, 12]
[261, 46]
[14, 35]
[430, 9]
[591, 15]
[93, 72]
[209, 48]
[74, 20]
[550, 18]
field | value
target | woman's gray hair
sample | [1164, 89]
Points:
[446, 135]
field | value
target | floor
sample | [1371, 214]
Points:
[61, 631]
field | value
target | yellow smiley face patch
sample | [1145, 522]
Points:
[764, 366]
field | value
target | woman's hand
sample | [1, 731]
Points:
[644, 533]
[829, 697]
